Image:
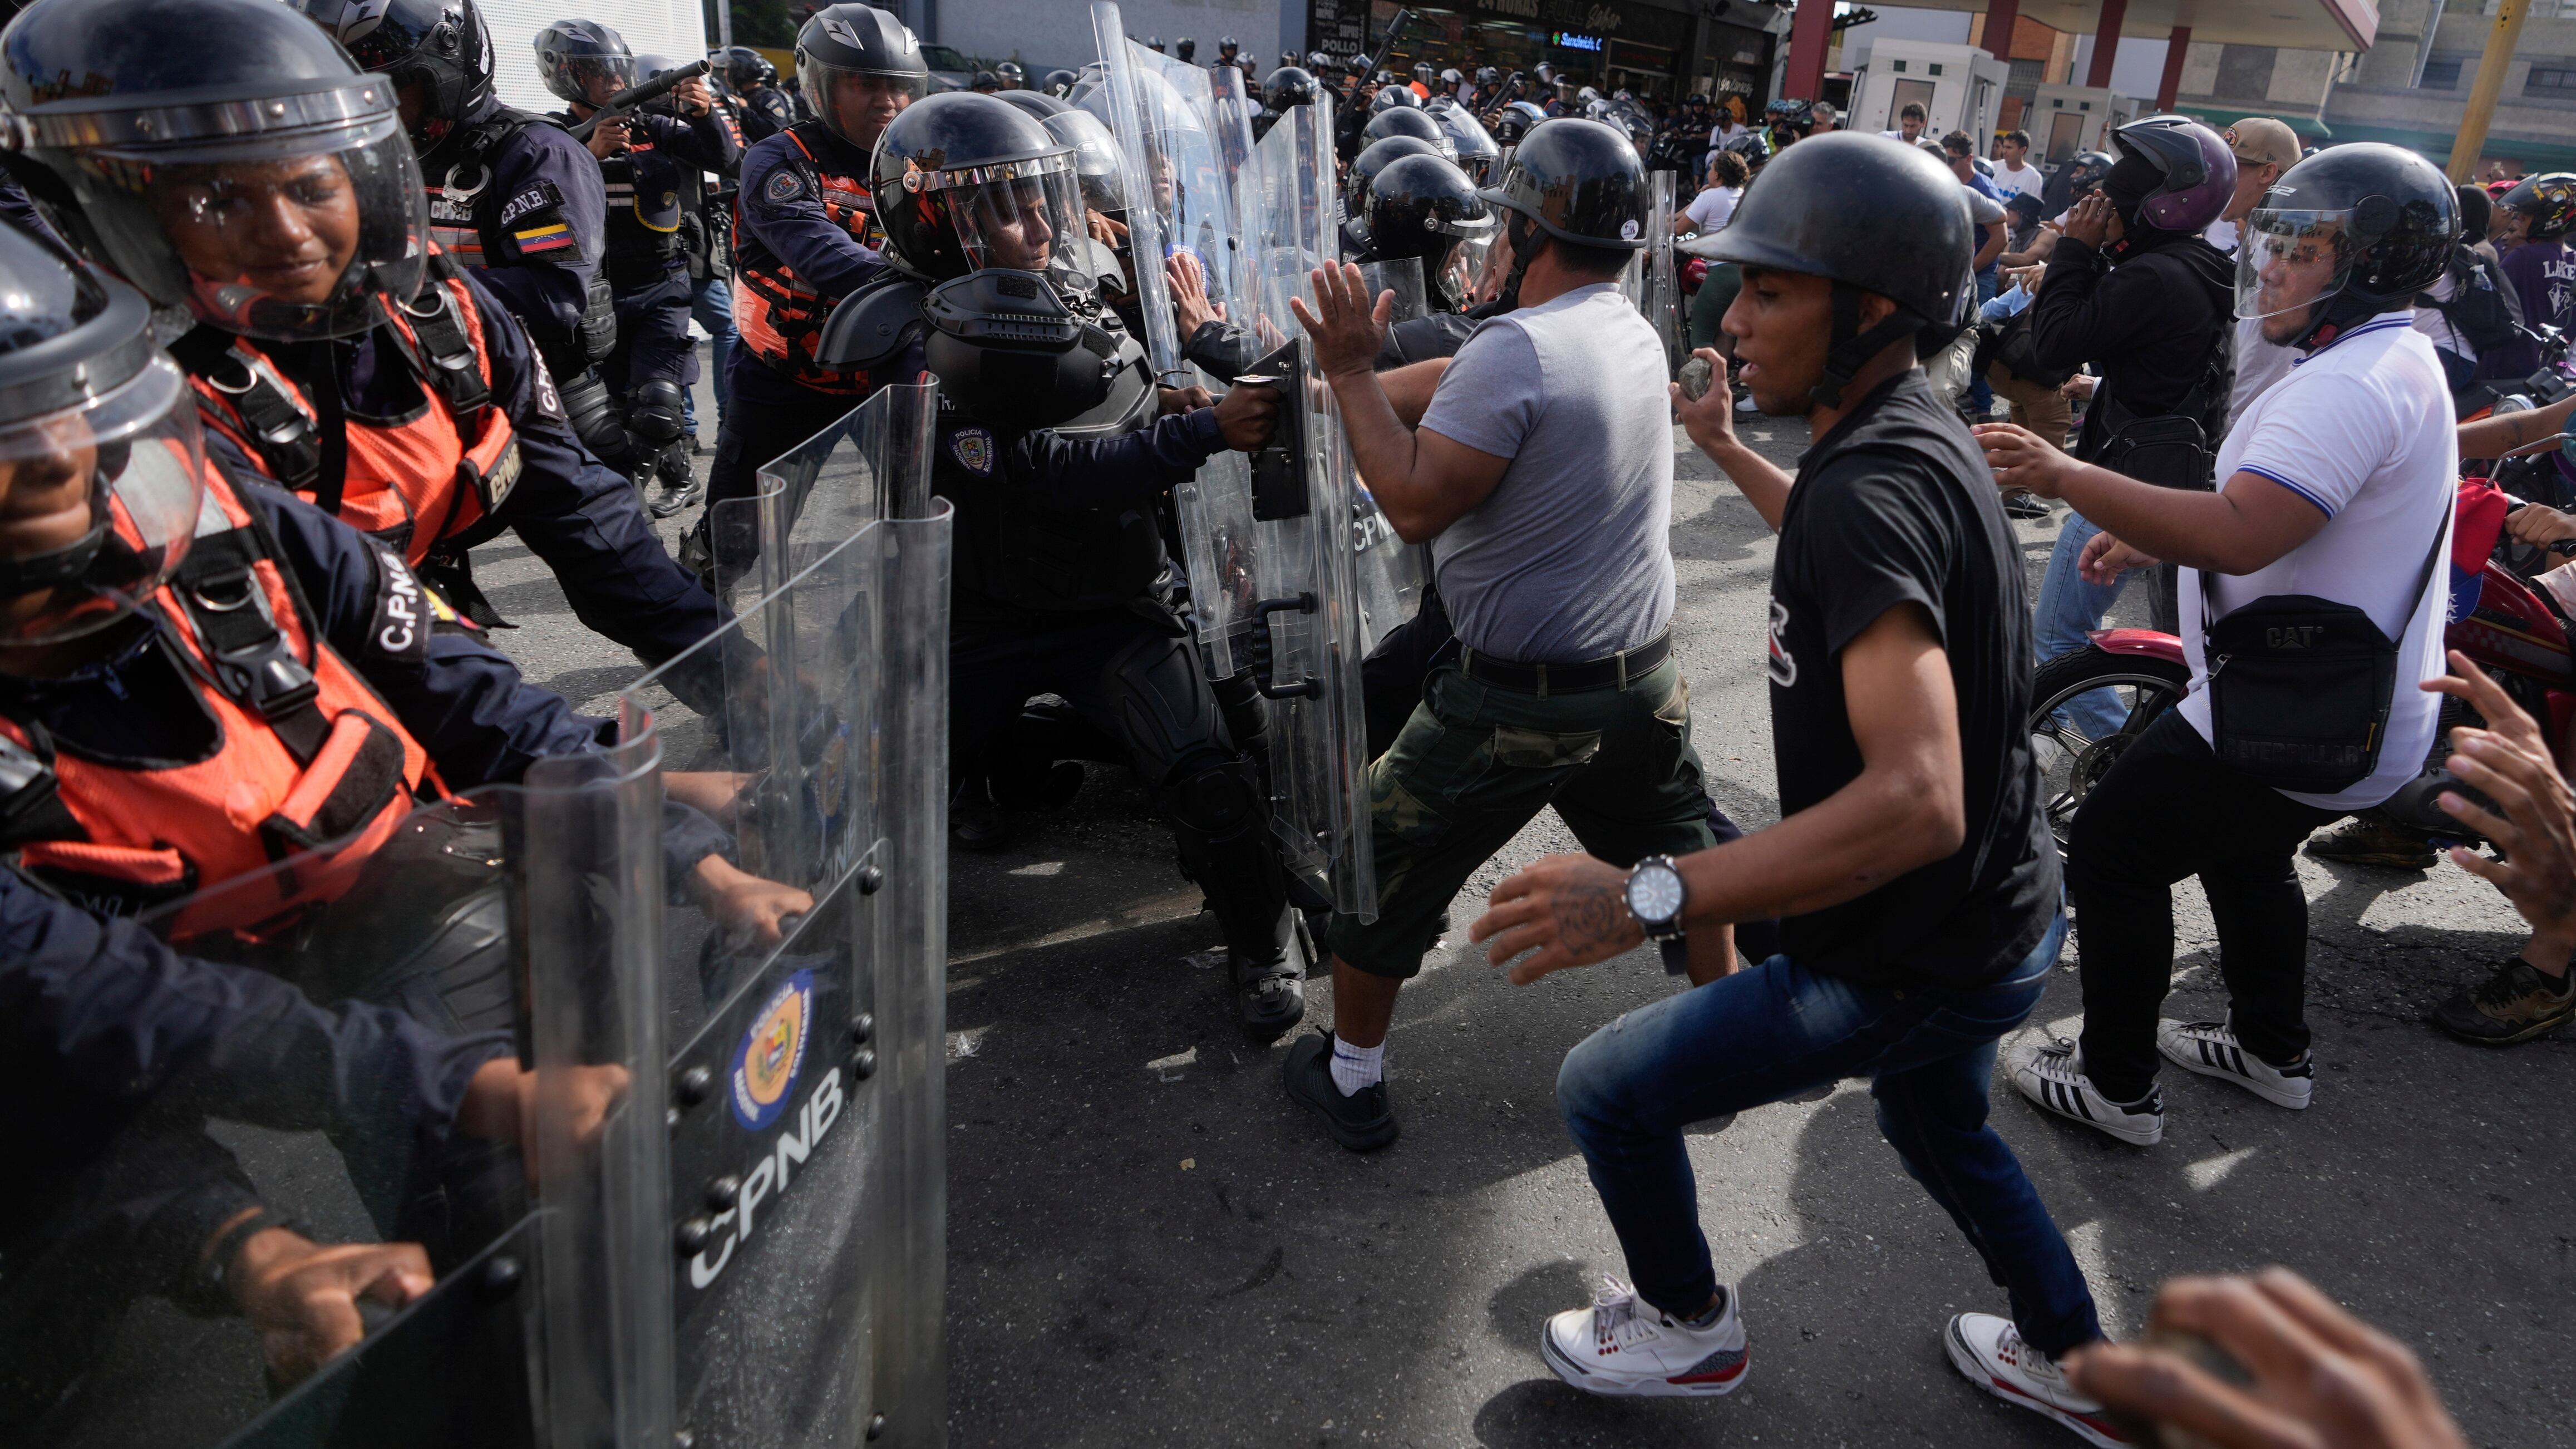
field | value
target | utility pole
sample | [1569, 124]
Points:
[724, 23]
[2490, 84]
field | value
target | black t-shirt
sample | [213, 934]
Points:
[1897, 505]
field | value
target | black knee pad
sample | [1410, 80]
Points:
[1216, 799]
[656, 411]
[1167, 716]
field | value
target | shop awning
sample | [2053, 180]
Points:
[2292, 24]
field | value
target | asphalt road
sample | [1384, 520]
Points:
[1149, 1245]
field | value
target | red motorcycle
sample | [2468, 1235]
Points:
[2506, 626]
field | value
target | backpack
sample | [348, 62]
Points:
[2482, 309]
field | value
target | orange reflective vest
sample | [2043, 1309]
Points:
[307, 756]
[410, 484]
[780, 318]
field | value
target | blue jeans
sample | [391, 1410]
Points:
[1777, 1029]
[711, 307]
[2068, 609]
[1981, 394]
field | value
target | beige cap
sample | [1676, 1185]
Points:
[2261, 139]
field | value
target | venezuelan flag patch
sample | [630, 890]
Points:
[544, 238]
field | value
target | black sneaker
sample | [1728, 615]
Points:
[2515, 1003]
[1362, 1122]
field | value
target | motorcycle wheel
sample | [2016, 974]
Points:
[2070, 762]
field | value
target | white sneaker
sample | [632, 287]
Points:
[1745, 404]
[1625, 1345]
[1989, 1350]
[2210, 1048]
[2053, 1077]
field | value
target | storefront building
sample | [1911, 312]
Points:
[1662, 51]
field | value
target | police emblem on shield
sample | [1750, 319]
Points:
[771, 1053]
[974, 450]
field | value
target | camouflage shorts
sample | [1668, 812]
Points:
[1477, 761]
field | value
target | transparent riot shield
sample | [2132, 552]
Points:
[1267, 540]
[1392, 574]
[805, 1179]
[429, 1052]
[1661, 296]
[871, 463]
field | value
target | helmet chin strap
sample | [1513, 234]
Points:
[1526, 239]
[1853, 348]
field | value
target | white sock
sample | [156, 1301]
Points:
[1357, 1067]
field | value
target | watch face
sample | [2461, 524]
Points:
[1655, 893]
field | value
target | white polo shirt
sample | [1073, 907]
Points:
[2362, 429]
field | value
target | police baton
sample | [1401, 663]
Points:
[634, 98]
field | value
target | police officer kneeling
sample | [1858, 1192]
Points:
[1057, 448]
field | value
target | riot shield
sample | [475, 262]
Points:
[1267, 541]
[301, 1094]
[1661, 296]
[1392, 574]
[805, 1179]
[871, 463]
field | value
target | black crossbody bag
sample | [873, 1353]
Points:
[2300, 688]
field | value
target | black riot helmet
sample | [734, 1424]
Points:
[100, 430]
[1037, 105]
[647, 66]
[160, 159]
[1185, 50]
[1376, 156]
[1487, 78]
[1423, 72]
[1752, 148]
[745, 67]
[1059, 83]
[1390, 96]
[964, 182]
[1401, 122]
[1422, 206]
[437, 49]
[1287, 86]
[1477, 148]
[1011, 76]
[1515, 121]
[1825, 208]
[2080, 177]
[2353, 231]
[1578, 181]
[584, 61]
[858, 67]
[1226, 47]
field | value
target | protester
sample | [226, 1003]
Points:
[2337, 504]
[1917, 871]
[2531, 225]
[1542, 464]
[1910, 121]
[2014, 176]
[1708, 215]
[2132, 292]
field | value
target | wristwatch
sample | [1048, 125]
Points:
[1657, 896]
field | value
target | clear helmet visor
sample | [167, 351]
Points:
[856, 105]
[2287, 261]
[287, 237]
[1026, 216]
[590, 80]
[98, 504]
[1095, 158]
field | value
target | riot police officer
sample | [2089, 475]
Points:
[1423, 207]
[1058, 469]
[200, 677]
[511, 197]
[332, 355]
[805, 236]
[1010, 74]
[651, 163]
[766, 111]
